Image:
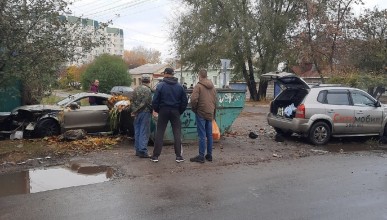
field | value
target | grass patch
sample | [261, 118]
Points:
[50, 100]
[72, 91]
[53, 98]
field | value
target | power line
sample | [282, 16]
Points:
[87, 4]
[118, 16]
[146, 41]
[96, 6]
[118, 10]
[146, 9]
[131, 30]
[131, 5]
[123, 6]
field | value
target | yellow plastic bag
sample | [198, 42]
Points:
[215, 131]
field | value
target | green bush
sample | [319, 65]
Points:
[110, 70]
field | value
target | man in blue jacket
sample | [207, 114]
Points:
[169, 101]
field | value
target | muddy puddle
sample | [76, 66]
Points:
[353, 144]
[352, 148]
[39, 180]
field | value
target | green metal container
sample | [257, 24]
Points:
[10, 96]
[230, 104]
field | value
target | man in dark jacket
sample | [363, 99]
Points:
[169, 101]
[203, 103]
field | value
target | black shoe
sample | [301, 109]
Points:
[209, 157]
[143, 155]
[154, 159]
[137, 153]
[179, 159]
[198, 159]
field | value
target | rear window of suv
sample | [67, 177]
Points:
[334, 97]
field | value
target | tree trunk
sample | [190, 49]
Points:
[251, 79]
[251, 85]
[376, 92]
[28, 96]
[262, 89]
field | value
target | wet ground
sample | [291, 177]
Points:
[234, 148]
[54, 177]
[329, 186]
[248, 179]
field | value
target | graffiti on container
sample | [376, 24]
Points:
[189, 97]
[229, 98]
[187, 118]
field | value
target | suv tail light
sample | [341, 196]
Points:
[300, 112]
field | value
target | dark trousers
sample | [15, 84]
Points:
[168, 115]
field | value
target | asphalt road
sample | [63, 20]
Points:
[331, 186]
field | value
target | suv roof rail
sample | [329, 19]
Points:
[324, 85]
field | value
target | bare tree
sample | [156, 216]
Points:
[140, 55]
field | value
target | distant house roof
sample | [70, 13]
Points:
[148, 69]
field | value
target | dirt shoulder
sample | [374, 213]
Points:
[235, 147]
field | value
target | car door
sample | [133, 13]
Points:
[91, 118]
[368, 113]
[339, 108]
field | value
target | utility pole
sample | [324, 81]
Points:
[225, 64]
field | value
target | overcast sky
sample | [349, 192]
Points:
[145, 22]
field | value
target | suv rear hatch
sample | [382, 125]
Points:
[294, 90]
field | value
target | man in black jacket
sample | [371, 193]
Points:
[169, 101]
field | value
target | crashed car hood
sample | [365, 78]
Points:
[37, 108]
[4, 115]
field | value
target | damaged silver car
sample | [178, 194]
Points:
[73, 112]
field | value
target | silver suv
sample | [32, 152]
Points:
[321, 111]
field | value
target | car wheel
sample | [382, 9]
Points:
[283, 133]
[47, 127]
[319, 133]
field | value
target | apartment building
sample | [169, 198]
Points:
[114, 43]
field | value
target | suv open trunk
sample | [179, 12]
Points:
[285, 99]
[294, 93]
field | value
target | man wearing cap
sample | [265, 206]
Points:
[142, 109]
[169, 101]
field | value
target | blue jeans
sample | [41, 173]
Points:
[142, 132]
[204, 128]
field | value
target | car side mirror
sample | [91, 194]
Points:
[74, 105]
[378, 104]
